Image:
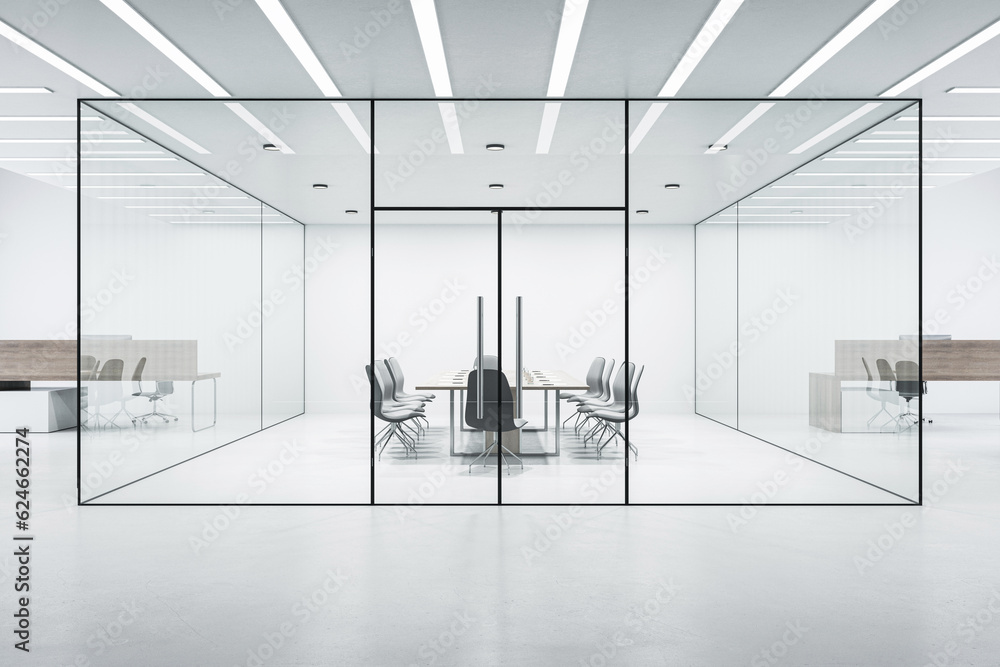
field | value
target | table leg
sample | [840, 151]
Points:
[558, 422]
[451, 421]
[215, 406]
[545, 427]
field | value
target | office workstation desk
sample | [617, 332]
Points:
[542, 380]
[942, 361]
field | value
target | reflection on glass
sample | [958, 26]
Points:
[568, 268]
[171, 344]
[431, 267]
[716, 349]
[283, 317]
[829, 277]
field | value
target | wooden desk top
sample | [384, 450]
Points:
[540, 380]
[948, 360]
[41, 360]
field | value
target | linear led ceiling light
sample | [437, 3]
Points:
[988, 91]
[743, 124]
[63, 66]
[292, 36]
[648, 119]
[570, 26]
[860, 23]
[163, 127]
[23, 90]
[703, 41]
[836, 127]
[46, 119]
[951, 119]
[425, 14]
[969, 45]
[146, 29]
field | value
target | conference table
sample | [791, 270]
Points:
[541, 380]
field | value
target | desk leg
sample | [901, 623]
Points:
[215, 406]
[558, 423]
[545, 426]
[451, 421]
[461, 407]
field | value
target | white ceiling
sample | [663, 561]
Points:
[626, 49]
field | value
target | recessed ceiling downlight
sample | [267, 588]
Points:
[496, 186]
[641, 211]
[672, 186]
[320, 186]
[271, 147]
[495, 147]
[351, 211]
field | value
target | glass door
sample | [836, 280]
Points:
[564, 289]
[436, 312]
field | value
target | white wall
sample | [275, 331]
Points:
[961, 281]
[571, 278]
[37, 259]
[159, 281]
[338, 317]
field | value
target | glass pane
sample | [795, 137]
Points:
[554, 154]
[568, 269]
[714, 387]
[282, 314]
[829, 280]
[770, 300]
[430, 267]
[169, 278]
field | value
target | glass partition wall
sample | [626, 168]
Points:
[681, 298]
[484, 205]
[191, 336]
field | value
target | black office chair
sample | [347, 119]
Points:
[909, 387]
[498, 412]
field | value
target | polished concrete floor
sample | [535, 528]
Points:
[243, 585]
